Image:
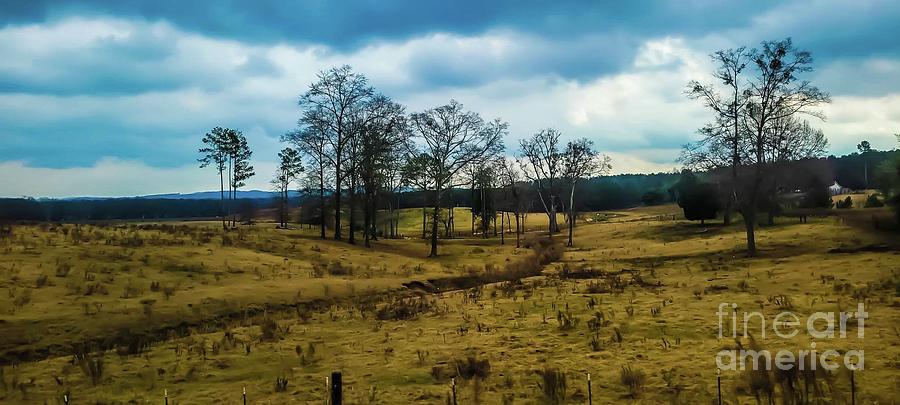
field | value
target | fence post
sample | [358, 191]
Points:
[244, 394]
[66, 399]
[336, 393]
[166, 395]
[453, 389]
[327, 389]
[852, 385]
[590, 394]
[719, 384]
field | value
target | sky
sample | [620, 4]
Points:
[102, 98]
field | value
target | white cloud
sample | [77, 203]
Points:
[112, 177]
[638, 115]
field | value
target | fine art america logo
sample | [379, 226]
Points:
[787, 325]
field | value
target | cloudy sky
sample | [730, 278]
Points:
[112, 98]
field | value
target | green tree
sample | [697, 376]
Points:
[698, 199]
[290, 167]
[216, 153]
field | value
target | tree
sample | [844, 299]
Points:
[756, 126]
[721, 146]
[331, 103]
[511, 180]
[239, 157]
[485, 178]
[450, 139]
[864, 148]
[215, 153]
[774, 94]
[415, 172]
[383, 132]
[289, 169]
[542, 162]
[791, 140]
[580, 161]
[652, 197]
[699, 200]
[312, 140]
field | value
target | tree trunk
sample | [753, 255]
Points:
[518, 232]
[424, 235]
[337, 198]
[222, 197]
[553, 226]
[502, 223]
[484, 222]
[750, 224]
[434, 222]
[367, 221]
[321, 205]
[373, 233]
[352, 206]
[571, 214]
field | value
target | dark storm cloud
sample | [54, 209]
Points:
[179, 67]
[343, 24]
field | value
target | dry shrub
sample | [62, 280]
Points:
[471, 367]
[401, 309]
[552, 384]
[633, 380]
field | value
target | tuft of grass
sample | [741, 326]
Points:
[633, 379]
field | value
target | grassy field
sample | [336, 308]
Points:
[639, 291]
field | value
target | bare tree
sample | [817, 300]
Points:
[721, 146]
[332, 102]
[512, 180]
[289, 169]
[312, 140]
[452, 138]
[382, 133]
[542, 163]
[581, 161]
[415, 173]
[755, 126]
[775, 93]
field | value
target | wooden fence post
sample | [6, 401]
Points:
[244, 394]
[590, 394]
[166, 395]
[453, 389]
[719, 384]
[336, 390]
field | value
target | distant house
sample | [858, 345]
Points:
[836, 189]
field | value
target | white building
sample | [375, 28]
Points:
[836, 189]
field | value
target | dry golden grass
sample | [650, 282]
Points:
[526, 331]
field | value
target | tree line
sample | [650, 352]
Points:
[358, 148]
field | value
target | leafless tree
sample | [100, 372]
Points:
[450, 139]
[512, 181]
[382, 133]
[581, 161]
[542, 163]
[332, 102]
[721, 145]
[774, 94]
[755, 125]
[312, 141]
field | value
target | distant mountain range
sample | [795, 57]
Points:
[199, 195]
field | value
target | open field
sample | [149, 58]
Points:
[636, 291]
